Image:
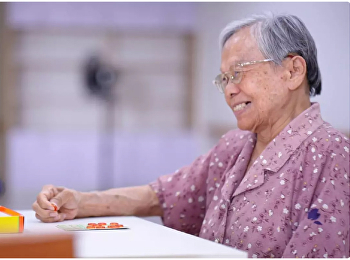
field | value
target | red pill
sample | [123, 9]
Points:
[54, 206]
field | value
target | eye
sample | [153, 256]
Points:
[235, 74]
[225, 79]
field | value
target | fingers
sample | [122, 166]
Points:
[60, 188]
[55, 204]
[46, 210]
[58, 218]
[62, 198]
[44, 197]
[43, 213]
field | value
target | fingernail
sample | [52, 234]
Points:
[53, 214]
[63, 216]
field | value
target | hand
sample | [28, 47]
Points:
[66, 200]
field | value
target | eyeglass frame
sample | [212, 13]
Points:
[242, 64]
[231, 77]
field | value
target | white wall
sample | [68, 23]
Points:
[328, 23]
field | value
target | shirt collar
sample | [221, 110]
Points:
[290, 138]
[279, 150]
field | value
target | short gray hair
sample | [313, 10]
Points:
[277, 36]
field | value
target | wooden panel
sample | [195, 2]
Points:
[36, 246]
[42, 46]
[55, 89]
[8, 98]
[151, 120]
[152, 91]
[144, 49]
[189, 99]
[2, 96]
[61, 119]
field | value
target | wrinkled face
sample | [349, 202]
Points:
[258, 101]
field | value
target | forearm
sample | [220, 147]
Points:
[131, 201]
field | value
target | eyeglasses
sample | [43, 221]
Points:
[235, 76]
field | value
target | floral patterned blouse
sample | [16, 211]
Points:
[292, 202]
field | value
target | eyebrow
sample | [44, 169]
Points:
[233, 64]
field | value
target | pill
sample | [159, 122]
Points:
[54, 206]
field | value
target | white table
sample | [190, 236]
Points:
[142, 239]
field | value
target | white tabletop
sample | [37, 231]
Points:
[142, 239]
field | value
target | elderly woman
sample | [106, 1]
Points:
[279, 186]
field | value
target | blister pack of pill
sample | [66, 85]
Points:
[92, 226]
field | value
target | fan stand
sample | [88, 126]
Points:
[106, 145]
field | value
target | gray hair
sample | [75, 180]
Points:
[277, 36]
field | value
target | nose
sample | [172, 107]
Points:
[231, 90]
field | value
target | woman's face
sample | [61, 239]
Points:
[262, 88]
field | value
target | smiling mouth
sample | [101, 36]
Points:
[241, 106]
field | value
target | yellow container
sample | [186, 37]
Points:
[13, 223]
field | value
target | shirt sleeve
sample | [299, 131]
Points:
[182, 195]
[323, 229]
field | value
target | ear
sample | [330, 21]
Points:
[296, 67]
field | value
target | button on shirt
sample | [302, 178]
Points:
[292, 202]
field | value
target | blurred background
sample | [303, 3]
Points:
[102, 95]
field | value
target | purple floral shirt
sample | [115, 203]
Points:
[292, 202]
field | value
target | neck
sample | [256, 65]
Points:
[267, 134]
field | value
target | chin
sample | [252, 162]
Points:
[245, 126]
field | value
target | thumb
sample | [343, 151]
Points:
[60, 199]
